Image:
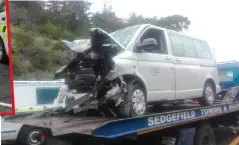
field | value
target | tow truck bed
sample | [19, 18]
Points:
[113, 127]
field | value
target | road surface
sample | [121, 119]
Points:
[224, 136]
[5, 96]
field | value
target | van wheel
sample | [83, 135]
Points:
[205, 136]
[3, 54]
[134, 103]
[208, 97]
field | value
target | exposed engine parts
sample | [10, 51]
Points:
[117, 91]
[93, 100]
[85, 76]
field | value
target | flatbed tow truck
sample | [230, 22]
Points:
[192, 125]
[187, 124]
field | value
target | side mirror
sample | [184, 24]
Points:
[147, 45]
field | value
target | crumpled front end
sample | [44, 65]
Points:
[85, 75]
[107, 96]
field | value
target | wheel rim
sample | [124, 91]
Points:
[209, 94]
[32, 138]
[138, 101]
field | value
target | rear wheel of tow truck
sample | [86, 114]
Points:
[3, 54]
[134, 103]
[205, 136]
[30, 136]
[209, 94]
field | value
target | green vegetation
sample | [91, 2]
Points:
[35, 56]
[38, 26]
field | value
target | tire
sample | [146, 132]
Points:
[128, 107]
[3, 54]
[24, 136]
[209, 95]
[205, 136]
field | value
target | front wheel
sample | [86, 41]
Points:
[134, 103]
[31, 136]
[209, 94]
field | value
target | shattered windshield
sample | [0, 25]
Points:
[123, 36]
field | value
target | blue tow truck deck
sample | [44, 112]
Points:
[113, 128]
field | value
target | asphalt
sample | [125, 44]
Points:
[224, 136]
[5, 96]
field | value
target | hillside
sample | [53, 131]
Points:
[35, 56]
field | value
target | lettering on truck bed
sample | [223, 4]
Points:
[177, 117]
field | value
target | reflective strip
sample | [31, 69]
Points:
[8, 131]
[3, 28]
[34, 108]
[29, 110]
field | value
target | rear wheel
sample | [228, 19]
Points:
[205, 136]
[134, 101]
[208, 97]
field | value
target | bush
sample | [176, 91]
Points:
[58, 46]
[35, 56]
[52, 31]
[24, 38]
